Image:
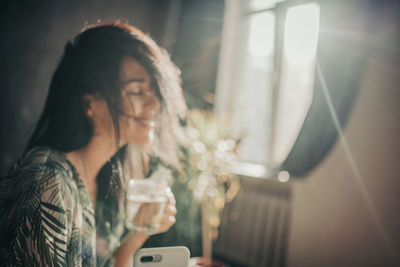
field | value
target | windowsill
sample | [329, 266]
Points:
[258, 179]
[260, 171]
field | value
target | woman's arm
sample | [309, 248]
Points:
[125, 252]
[42, 219]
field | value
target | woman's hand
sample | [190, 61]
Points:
[149, 215]
[168, 218]
[136, 239]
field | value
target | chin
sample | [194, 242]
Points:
[143, 140]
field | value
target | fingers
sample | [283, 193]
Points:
[168, 219]
[171, 197]
[170, 210]
[166, 223]
[173, 210]
[172, 220]
[169, 215]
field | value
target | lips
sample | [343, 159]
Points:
[147, 122]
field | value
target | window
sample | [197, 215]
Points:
[265, 77]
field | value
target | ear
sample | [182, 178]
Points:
[89, 104]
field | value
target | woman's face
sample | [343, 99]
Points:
[139, 102]
[139, 105]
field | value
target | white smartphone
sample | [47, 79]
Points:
[162, 257]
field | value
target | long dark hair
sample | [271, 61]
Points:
[91, 64]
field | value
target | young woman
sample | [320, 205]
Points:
[114, 100]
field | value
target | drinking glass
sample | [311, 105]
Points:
[146, 202]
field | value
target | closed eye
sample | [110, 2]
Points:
[138, 93]
[134, 88]
[137, 88]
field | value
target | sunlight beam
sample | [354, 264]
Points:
[357, 174]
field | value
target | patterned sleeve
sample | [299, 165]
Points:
[47, 231]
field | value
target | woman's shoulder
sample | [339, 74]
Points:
[46, 157]
[40, 176]
[41, 165]
[43, 158]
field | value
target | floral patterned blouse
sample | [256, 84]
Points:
[48, 219]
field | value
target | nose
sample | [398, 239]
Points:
[152, 102]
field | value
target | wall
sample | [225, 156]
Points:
[345, 216]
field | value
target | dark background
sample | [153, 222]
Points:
[33, 35]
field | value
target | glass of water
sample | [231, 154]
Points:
[146, 201]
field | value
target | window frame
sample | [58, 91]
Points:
[232, 50]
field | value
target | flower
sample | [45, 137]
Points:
[209, 154]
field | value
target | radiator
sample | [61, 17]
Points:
[254, 226]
